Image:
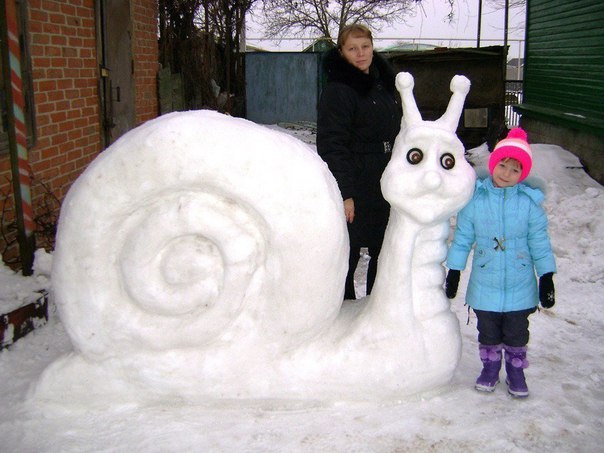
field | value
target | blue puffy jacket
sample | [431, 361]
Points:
[509, 228]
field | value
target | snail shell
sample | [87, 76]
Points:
[199, 225]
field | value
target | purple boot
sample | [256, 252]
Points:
[490, 355]
[515, 363]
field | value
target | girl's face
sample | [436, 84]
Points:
[358, 51]
[507, 173]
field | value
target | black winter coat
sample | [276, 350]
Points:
[357, 113]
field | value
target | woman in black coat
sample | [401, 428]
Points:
[358, 119]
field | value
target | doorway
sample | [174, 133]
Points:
[114, 35]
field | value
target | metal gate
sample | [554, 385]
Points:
[281, 86]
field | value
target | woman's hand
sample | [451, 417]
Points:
[349, 209]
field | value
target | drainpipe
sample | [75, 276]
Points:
[505, 28]
[479, 23]
[17, 136]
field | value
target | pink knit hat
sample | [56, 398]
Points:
[515, 145]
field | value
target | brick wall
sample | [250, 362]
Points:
[146, 58]
[63, 48]
[62, 41]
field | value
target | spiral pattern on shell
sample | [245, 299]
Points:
[200, 224]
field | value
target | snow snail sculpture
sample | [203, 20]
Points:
[204, 256]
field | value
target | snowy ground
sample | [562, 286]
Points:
[564, 413]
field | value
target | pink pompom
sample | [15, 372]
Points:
[518, 133]
[494, 356]
[518, 362]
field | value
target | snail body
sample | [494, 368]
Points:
[202, 264]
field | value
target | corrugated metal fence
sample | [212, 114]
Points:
[513, 96]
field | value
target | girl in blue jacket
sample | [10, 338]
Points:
[508, 227]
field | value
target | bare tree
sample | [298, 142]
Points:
[325, 18]
[516, 8]
[199, 39]
[500, 4]
[225, 19]
[176, 25]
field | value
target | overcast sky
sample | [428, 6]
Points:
[432, 26]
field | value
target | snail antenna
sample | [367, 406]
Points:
[460, 86]
[411, 114]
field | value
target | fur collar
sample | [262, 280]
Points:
[339, 70]
[533, 193]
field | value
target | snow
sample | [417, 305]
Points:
[196, 268]
[563, 413]
[18, 290]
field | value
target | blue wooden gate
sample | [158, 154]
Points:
[281, 86]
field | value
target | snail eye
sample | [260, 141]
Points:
[447, 161]
[415, 156]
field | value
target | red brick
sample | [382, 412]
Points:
[69, 52]
[56, 18]
[63, 47]
[68, 10]
[47, 85]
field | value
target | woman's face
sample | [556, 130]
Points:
[358, 51]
